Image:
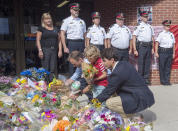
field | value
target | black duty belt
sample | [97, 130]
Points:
[97, 44]
[49, 47]
[145, 43]
[162, 49]
[123, 49]
[77, 40]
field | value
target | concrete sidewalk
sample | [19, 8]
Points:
[164, 113]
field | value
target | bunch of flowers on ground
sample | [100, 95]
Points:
[37, 74]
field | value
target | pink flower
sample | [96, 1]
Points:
[54, 100]
[44, 95]
[113, 119]
[105, 119]
[103, 116]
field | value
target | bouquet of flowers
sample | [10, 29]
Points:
[51, 100]
[139, 126]
[57, 86]
[37, 74]
[5, 83]
[88, 72]
[97, 118]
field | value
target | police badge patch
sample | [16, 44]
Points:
[81, 22]
[135, 28]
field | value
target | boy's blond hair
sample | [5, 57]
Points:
[92, 51]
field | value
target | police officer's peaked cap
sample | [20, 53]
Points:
[95, 15]
[120, 16]
[74, 6]
[166, 22]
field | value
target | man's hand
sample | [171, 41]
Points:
[74, 97]
[130, 51]
[59, 54]
[157, 55]
[68, 82]
[40, 54]
[66, 50]
[173, 55]
[152, 51]
[90, 82]
[87, 89]
[135, 52]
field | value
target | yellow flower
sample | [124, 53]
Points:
[22, 118]
[18, 80]
[44, 127]
[50, 84]
[23, 81]
[128, 128]
[38, 88]
[35, 98]
[43, 114]
[98, 105]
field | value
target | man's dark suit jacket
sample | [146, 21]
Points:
[130, 86]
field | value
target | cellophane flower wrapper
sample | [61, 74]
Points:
[5, 83]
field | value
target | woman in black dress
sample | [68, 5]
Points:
[48, 44]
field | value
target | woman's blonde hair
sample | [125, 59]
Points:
[44, 16]
[92, 51]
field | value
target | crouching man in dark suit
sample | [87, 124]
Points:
[133, 95]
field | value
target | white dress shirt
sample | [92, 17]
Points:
[144, 32]
[74, 28]
[166, 39]
[96, 34]
[120, 36]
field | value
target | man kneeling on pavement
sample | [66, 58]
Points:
[126, 92]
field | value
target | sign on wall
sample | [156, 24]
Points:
[144, 8]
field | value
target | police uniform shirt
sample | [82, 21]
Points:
[74, 27]
[120, 36]
[166, 39]
[144, 32]
[96, 34]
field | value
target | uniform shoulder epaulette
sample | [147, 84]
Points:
[89, 28]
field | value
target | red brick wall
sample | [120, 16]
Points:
[162, 9]
[155, 80]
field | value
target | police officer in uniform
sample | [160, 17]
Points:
[96, 34]
[74, 29]
[165, 51]
[119, 36]
[143, 46]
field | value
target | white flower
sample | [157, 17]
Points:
[98, 118]
[111, 122]
[148, 128]
[107, 113]
[102, 122]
